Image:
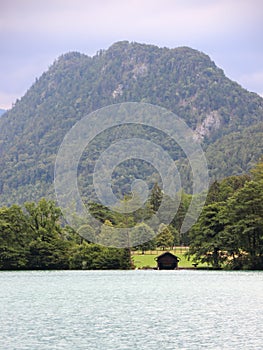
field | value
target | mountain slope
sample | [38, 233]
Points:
[182, 80]
[236, 152]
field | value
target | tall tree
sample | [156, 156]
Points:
[156, 197]
[15, 236]
[207, 243]
[44, 218]
[245, 218]
[49, 248]
[164, 238]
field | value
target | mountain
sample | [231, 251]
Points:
[227, 119]
[2, 111]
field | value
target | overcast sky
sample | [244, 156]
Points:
[33, 33]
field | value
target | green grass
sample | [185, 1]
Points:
[148, 259]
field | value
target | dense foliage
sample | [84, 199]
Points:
[226, 118]
[229, 232]
[33, 238]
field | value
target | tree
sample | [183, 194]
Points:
[164, 237]
[107, 235]
[245, 225]
[12, 258]
[176, 235]
[142, 237]
[46, 255]
[206, 236]
[44, 218]
[156, 197]
[213, 194]
[180, 216]
[96, 257]
[49, 248]
[15, 236]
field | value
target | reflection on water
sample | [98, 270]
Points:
[112, 310]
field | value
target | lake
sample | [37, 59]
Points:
[112, 310]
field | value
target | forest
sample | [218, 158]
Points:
[227, 235]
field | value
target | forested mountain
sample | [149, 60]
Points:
[227, 119]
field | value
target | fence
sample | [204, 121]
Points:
[174, 250]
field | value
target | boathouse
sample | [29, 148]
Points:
[167, 261]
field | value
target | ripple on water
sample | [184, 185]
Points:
[117, 310]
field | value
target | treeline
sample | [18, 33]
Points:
[34, 238]
[229, 232]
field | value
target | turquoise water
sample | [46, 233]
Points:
[114, 310]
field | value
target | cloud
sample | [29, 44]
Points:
[33, 33]
[173, 18]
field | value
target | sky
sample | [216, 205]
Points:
[33, 33]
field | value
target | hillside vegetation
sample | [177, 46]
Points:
[227, 119]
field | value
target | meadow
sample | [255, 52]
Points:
[147, 260]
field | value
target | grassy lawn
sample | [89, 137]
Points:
[147, 259]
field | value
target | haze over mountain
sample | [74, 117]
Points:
[2, 111]
[227, 119]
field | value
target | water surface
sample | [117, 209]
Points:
[117, 310]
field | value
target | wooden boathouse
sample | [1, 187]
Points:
[167, 261]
